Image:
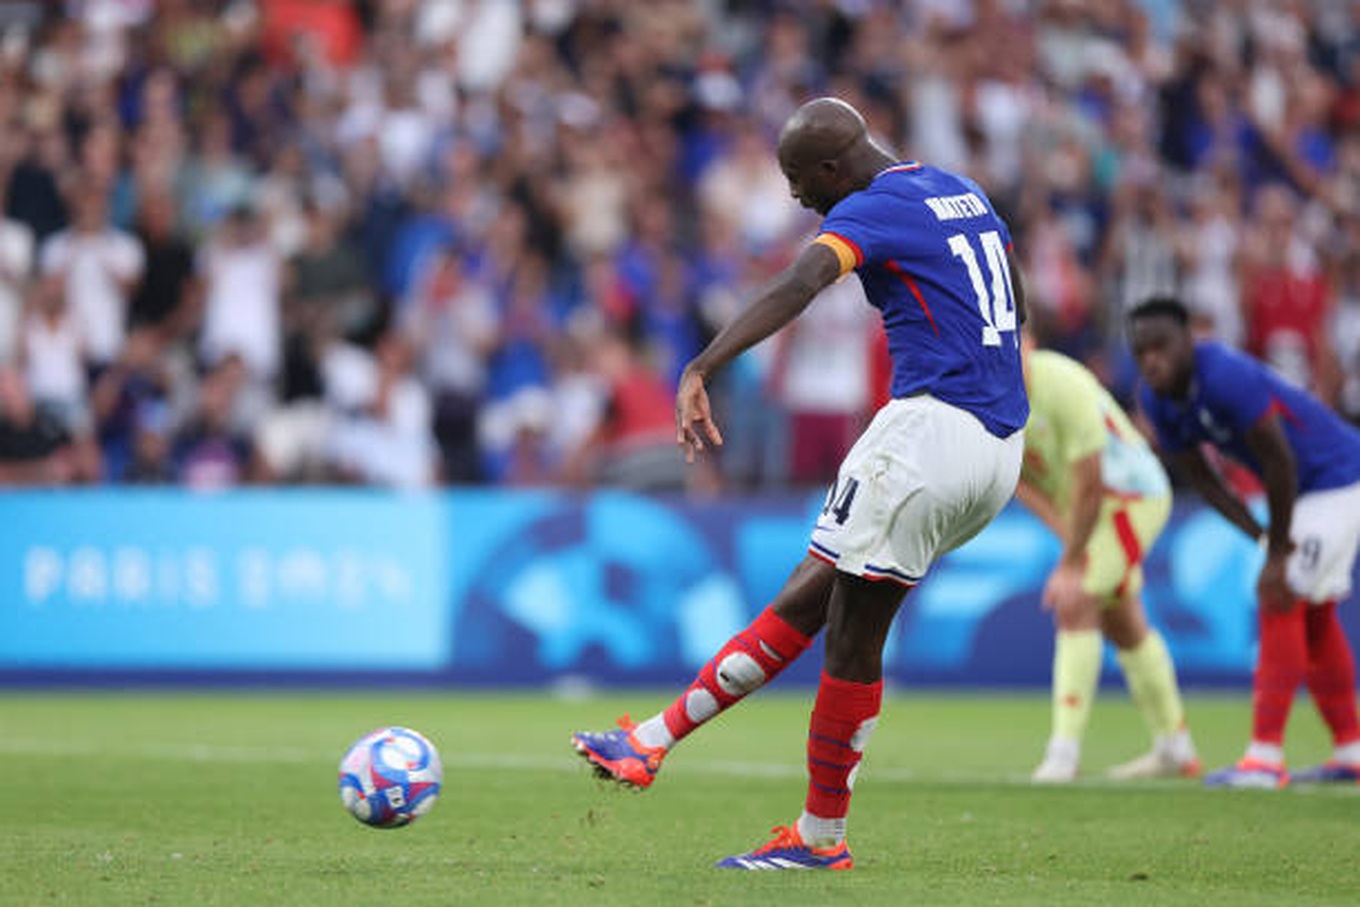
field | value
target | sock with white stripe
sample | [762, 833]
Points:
[748, 661]
[843, 719]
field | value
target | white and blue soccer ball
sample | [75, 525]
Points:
[390, 777]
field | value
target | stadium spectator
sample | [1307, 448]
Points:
[210, 452]
[1286, 298]
[150, 463]
[141, 377]
[625, 149]
[34, 449]
[16, 269]
[821, 378]
[52, 351]
[381, 434]
[163, 296]
[450, 318]
[97, 265]
[243, 279]
[1207, 252]
[633, 443]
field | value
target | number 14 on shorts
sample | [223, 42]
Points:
[838, 500]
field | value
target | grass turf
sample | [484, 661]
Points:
[230, 799]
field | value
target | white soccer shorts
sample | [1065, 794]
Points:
[924, 478]
[1326, 533]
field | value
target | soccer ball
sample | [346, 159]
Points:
[390, 778]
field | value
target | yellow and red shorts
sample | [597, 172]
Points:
[1125, 532]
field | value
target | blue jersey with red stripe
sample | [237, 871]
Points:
[931, 253]
[1229, 393]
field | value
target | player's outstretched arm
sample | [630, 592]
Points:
[782, 300]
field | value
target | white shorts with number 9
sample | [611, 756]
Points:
[1325, 528]
[924, 478]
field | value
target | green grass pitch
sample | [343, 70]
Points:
[199, 799]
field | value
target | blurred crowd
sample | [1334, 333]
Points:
[407, 242]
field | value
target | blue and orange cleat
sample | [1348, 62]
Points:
[618, 756]
[1249, 773]
[787, 851]
[1328, 773]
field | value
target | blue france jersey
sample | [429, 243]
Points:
[1229, 393]
[931, 253]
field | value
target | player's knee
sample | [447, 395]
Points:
[1124, 623]
[1077, 616]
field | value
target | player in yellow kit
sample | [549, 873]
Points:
[1092, 479]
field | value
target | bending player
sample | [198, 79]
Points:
[1308, 459]
[1091, 478]
[932, 469]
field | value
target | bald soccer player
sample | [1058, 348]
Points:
[933, 468]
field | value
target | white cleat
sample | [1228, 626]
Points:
[1155, 764]
[1062, 763]
[1054, 771]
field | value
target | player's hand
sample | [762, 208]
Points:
[1272, 587]
[694, 425]
[1063, 594]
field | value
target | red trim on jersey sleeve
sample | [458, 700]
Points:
[896, 270]
[1277, 407]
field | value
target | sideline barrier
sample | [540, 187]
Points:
[512, 588]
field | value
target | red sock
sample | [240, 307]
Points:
[747, 662]
[1280, 669]
[842, 720]
[1331, 673]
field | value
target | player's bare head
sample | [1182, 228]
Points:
[824, 151]
[1163, 347]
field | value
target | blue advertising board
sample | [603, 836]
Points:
[250, 580]
[493, 587]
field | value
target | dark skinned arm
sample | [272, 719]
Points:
[1270, 447]
[1206, 480]
[781, 301]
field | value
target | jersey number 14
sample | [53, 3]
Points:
[997, 305]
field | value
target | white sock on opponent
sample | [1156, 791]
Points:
[1177, 745]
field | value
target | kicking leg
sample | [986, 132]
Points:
[632, 754]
